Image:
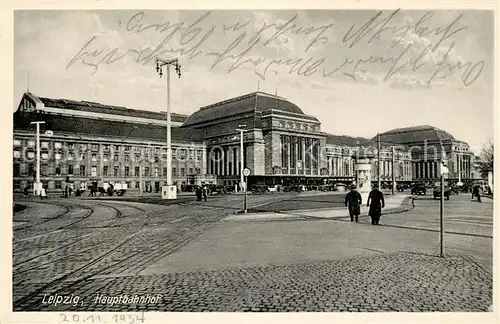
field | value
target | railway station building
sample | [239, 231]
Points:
[427, 146]
[88, 141]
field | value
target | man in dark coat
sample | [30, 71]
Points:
[376, 203]
[205, 192]
[198, 193]
[476, 193]
[353, 201]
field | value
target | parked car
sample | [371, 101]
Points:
[419, 189]
[454, 190]
[259, 188]
[437, 191]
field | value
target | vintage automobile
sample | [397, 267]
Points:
[437, 191]
[419, 189]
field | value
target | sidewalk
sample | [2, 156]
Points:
[393, 205]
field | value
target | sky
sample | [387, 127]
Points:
[359, 71]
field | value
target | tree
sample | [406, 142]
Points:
[486, 158]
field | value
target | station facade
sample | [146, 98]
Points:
[88, 142]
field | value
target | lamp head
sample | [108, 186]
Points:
[178, 69]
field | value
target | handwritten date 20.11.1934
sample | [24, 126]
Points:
[201, 39]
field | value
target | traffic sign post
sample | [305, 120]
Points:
[246, 173]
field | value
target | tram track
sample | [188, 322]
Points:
[134, 259]
[21, 302]
[45, 220]
[17, 271]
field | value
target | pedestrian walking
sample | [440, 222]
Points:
[376, 202]
[25, 192]
[198, 193]
[353, 202]
[205, 193]
[476, 193]
[43, 193]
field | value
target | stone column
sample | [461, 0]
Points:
[297, 157]
[303, 143]
[288, 153]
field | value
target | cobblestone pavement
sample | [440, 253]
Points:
[69, 245]
[82, 238]
[397, 282]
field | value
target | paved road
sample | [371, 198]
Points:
[198, 263]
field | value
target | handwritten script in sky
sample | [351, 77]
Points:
[429, 54]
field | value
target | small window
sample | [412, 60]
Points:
[44, 144]
[105, 171]
[58, 185]
[45, 156]
[115, 171]
[94, 171]
[58, 170]
[71, 156]
[31, 155]
[182, 172]
[127, 158]
[94, 157]
[58, 156]
[17, 142]
[105, 157]
[70, 170]
[58, 145]
[127, 171]
[156, 172]
[115, 158]
[17, 154]
[31, 143]
[174, 172]
[82, 170]
[136, 172]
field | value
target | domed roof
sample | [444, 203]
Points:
[253, 102]
[415, 134]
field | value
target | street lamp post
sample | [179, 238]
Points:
[37, 186]
[393, 173]
[379, 167]
[443, 171]
[170, 190]
[242, 129]
[140, 177]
